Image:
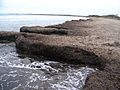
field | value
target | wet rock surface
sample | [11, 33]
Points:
[94, 42]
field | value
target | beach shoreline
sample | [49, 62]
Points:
[92, 42]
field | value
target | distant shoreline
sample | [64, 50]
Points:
[113, 16]
[42, 14]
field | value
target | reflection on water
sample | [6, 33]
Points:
[22, 74]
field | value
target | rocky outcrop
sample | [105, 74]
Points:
[93, 42]
[108, 79]
[52, 47]
[9, 36]
[43, 30]
[60, 26]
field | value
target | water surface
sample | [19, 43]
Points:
[26, 74]
[14, 22]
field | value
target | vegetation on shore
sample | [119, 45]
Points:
[107, 16]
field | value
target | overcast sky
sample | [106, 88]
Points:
[80, 7]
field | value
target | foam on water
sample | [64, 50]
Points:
[21, 74]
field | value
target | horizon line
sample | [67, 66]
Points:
[41, 14]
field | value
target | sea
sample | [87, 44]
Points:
[19, 72]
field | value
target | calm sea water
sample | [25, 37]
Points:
[14, 22]
[28, 74]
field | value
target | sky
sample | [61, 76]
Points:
[76, 7]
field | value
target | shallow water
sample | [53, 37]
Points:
[21, 74]
[14, 22]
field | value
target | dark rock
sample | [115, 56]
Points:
[9, 36]
[53, 50]
[42, 30]
[57, 26]
[107, 79]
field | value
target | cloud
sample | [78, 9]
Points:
[1, 3]
[62, 6]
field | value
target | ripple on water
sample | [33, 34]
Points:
[22, 74]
